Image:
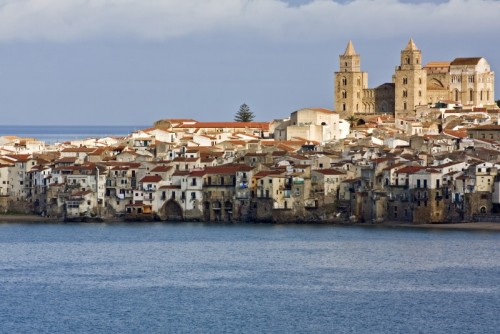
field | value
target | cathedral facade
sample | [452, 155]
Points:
[467, 81]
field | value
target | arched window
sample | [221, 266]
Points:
[407, 60]
[344, 81]
[471, 95]
[419, 81]
[405, 93]
[344, 94]
[405, 80]
[481, 95]
[456, 95]
[343, 107]
[404, 105]
[419, 93]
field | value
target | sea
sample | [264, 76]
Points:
[254, 278]
[51, 134]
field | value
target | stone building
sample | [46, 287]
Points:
[409, 81]
[468, 81]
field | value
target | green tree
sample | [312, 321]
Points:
[353, 120]
[244, 114]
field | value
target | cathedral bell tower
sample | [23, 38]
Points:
[349, 83]
[410, 81]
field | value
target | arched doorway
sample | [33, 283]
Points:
[228, 209]
[172, 211]
[216, 208]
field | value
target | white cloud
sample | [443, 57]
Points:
[61, 20]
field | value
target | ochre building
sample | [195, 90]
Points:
[468, 81]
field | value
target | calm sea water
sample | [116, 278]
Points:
[52, 134]
[196, 278]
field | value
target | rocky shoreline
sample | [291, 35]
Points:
[451, 226]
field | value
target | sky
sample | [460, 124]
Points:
[132, 62]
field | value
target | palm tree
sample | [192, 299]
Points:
[353, 120]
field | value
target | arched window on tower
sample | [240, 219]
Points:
[407, 60]
[343, 107]
[344, 94]
[471, 95]
[405, 93]
[481, 95]
[456, 95]
[405, 106]
[405, 80]
[344, 81]
[419, 81]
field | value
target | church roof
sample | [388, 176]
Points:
[411, 46]
[466, 61]
[438, 64]
[349, 50]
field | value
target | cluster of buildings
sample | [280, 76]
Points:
[423, 149]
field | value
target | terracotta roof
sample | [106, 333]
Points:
[486, 127]
[197, 173]
[455, 134]
[438, 64]
[151, 179]
[329, 172]
[265, 173]
[231, 125]
[466, 61]
[161, 169]
[19, 157]
[410, 169]
[79, 149]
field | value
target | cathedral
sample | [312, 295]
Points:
[467, 81]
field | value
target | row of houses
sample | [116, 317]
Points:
[182, 169]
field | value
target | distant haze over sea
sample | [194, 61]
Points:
[60, 133]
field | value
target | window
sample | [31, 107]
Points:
[405, 81]
[405, 93]
[344, 94]
[193, 195]
[344, 81]
[404, 105]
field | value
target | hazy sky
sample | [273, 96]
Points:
[131, 62]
